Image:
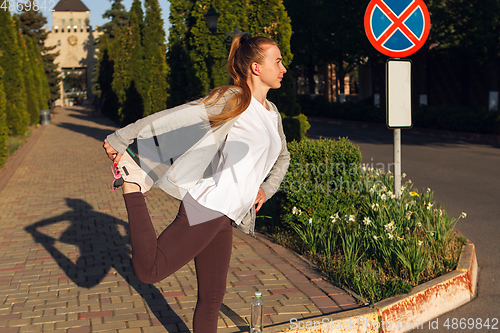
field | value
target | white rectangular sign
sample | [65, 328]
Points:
[398, 93]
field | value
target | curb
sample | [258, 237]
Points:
[401, 313]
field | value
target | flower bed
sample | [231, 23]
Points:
[345, 217]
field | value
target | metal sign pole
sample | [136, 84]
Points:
[397, 163]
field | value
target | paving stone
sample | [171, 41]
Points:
[108, 327]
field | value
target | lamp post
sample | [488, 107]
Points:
[212, 17]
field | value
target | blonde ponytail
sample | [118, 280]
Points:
[244, 51]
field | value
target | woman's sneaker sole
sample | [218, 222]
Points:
[131, 172]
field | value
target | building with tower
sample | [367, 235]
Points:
[75, 40]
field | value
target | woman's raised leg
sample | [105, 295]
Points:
[154, 258]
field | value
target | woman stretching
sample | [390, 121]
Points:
[247, 163]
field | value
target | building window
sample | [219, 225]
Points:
[58, 43]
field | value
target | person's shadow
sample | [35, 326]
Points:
[101, 247]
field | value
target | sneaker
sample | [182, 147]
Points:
[129, 170]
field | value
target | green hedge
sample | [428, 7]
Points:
[453, 118]
[321, 176]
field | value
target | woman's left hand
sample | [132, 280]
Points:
[261, 198]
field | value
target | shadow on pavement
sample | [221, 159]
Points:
[92, 132]
[235, 318]
[101, 247]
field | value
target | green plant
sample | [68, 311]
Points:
[361, 235]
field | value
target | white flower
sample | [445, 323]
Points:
[375, 237]
[432, 234]
[390, 236]
[409, 181]
[420, 243]
[351, 218]
[393, 196]
[407, 205]
[300, 212]
[408, 215]
[372, 190]
[383, 197]
[419, 224]
[375, 206]
[428, 189]
[400, 238]
[440, 212]
[366, 221]
[429, 206]
[390, 227]
[310, 221]
[463, 215]
[384, 188]
[335, 217]
[294, 210]
[403, 175]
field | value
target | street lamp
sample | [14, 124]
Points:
[212, 17]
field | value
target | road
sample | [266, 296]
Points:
[464, 178]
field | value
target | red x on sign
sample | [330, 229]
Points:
[397, 28]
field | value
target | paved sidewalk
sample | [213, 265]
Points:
[65, 254]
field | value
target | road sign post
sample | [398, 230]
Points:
[397, 28]
[398, 90]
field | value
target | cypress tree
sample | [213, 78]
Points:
[3, 121]
[105, 70]
[15, 92]
[32, 23]
[40, 79]
[126, 77]
[32, 91]
[182, 78]
[121, 58]
[133, 106]
[155, 66]
[138, 20]
[51, 73]
[119, 18]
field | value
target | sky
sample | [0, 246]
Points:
[98, 7]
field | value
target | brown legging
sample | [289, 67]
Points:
[209, 243]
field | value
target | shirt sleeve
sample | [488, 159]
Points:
[278, 171]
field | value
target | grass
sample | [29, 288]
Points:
[15, 142]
